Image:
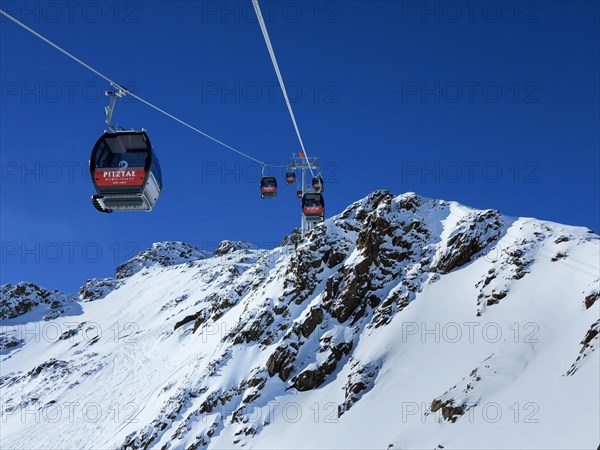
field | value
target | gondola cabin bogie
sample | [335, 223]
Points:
[268, 187]
[313, 207]
[125, 172]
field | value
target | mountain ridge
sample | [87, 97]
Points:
[344, 320]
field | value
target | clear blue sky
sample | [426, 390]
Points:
[493, 106]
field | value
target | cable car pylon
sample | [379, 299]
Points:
[304, 164]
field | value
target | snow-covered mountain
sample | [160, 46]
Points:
[404, 322]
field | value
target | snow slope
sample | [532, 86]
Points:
[404, 322]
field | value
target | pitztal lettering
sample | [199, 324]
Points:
[119, 173]
[133, 176]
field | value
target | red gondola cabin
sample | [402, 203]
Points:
[125, 172]
[268, 187]
[317, 184]
[290, 177]
[313, 207]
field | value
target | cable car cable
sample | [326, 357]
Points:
[265, 33]
[131, 94]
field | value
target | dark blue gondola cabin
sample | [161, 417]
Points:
[313, 207]
[290, 177]
[268, 187]
[317, 184]
[125, 172]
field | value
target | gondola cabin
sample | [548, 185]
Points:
[313, 207]
[299, 194]
[317, 184]
[290, 177]
[268, 187]
[125, 172]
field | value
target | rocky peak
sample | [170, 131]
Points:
[227, 247]
[161, 254]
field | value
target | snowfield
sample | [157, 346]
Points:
[403, 322]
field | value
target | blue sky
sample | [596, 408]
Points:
[492, 104]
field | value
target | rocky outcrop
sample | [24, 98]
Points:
[21, 298]
[360, 381]
[316, 374]
[590, 299]
[450, 411]
[98, 288]
[294, 238]
[473, 234]
[228, 247]
[281, 361]
[588, 345]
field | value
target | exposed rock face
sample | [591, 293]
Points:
[360, 381]
[588, 345]
[395, 245]
[475, 232]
